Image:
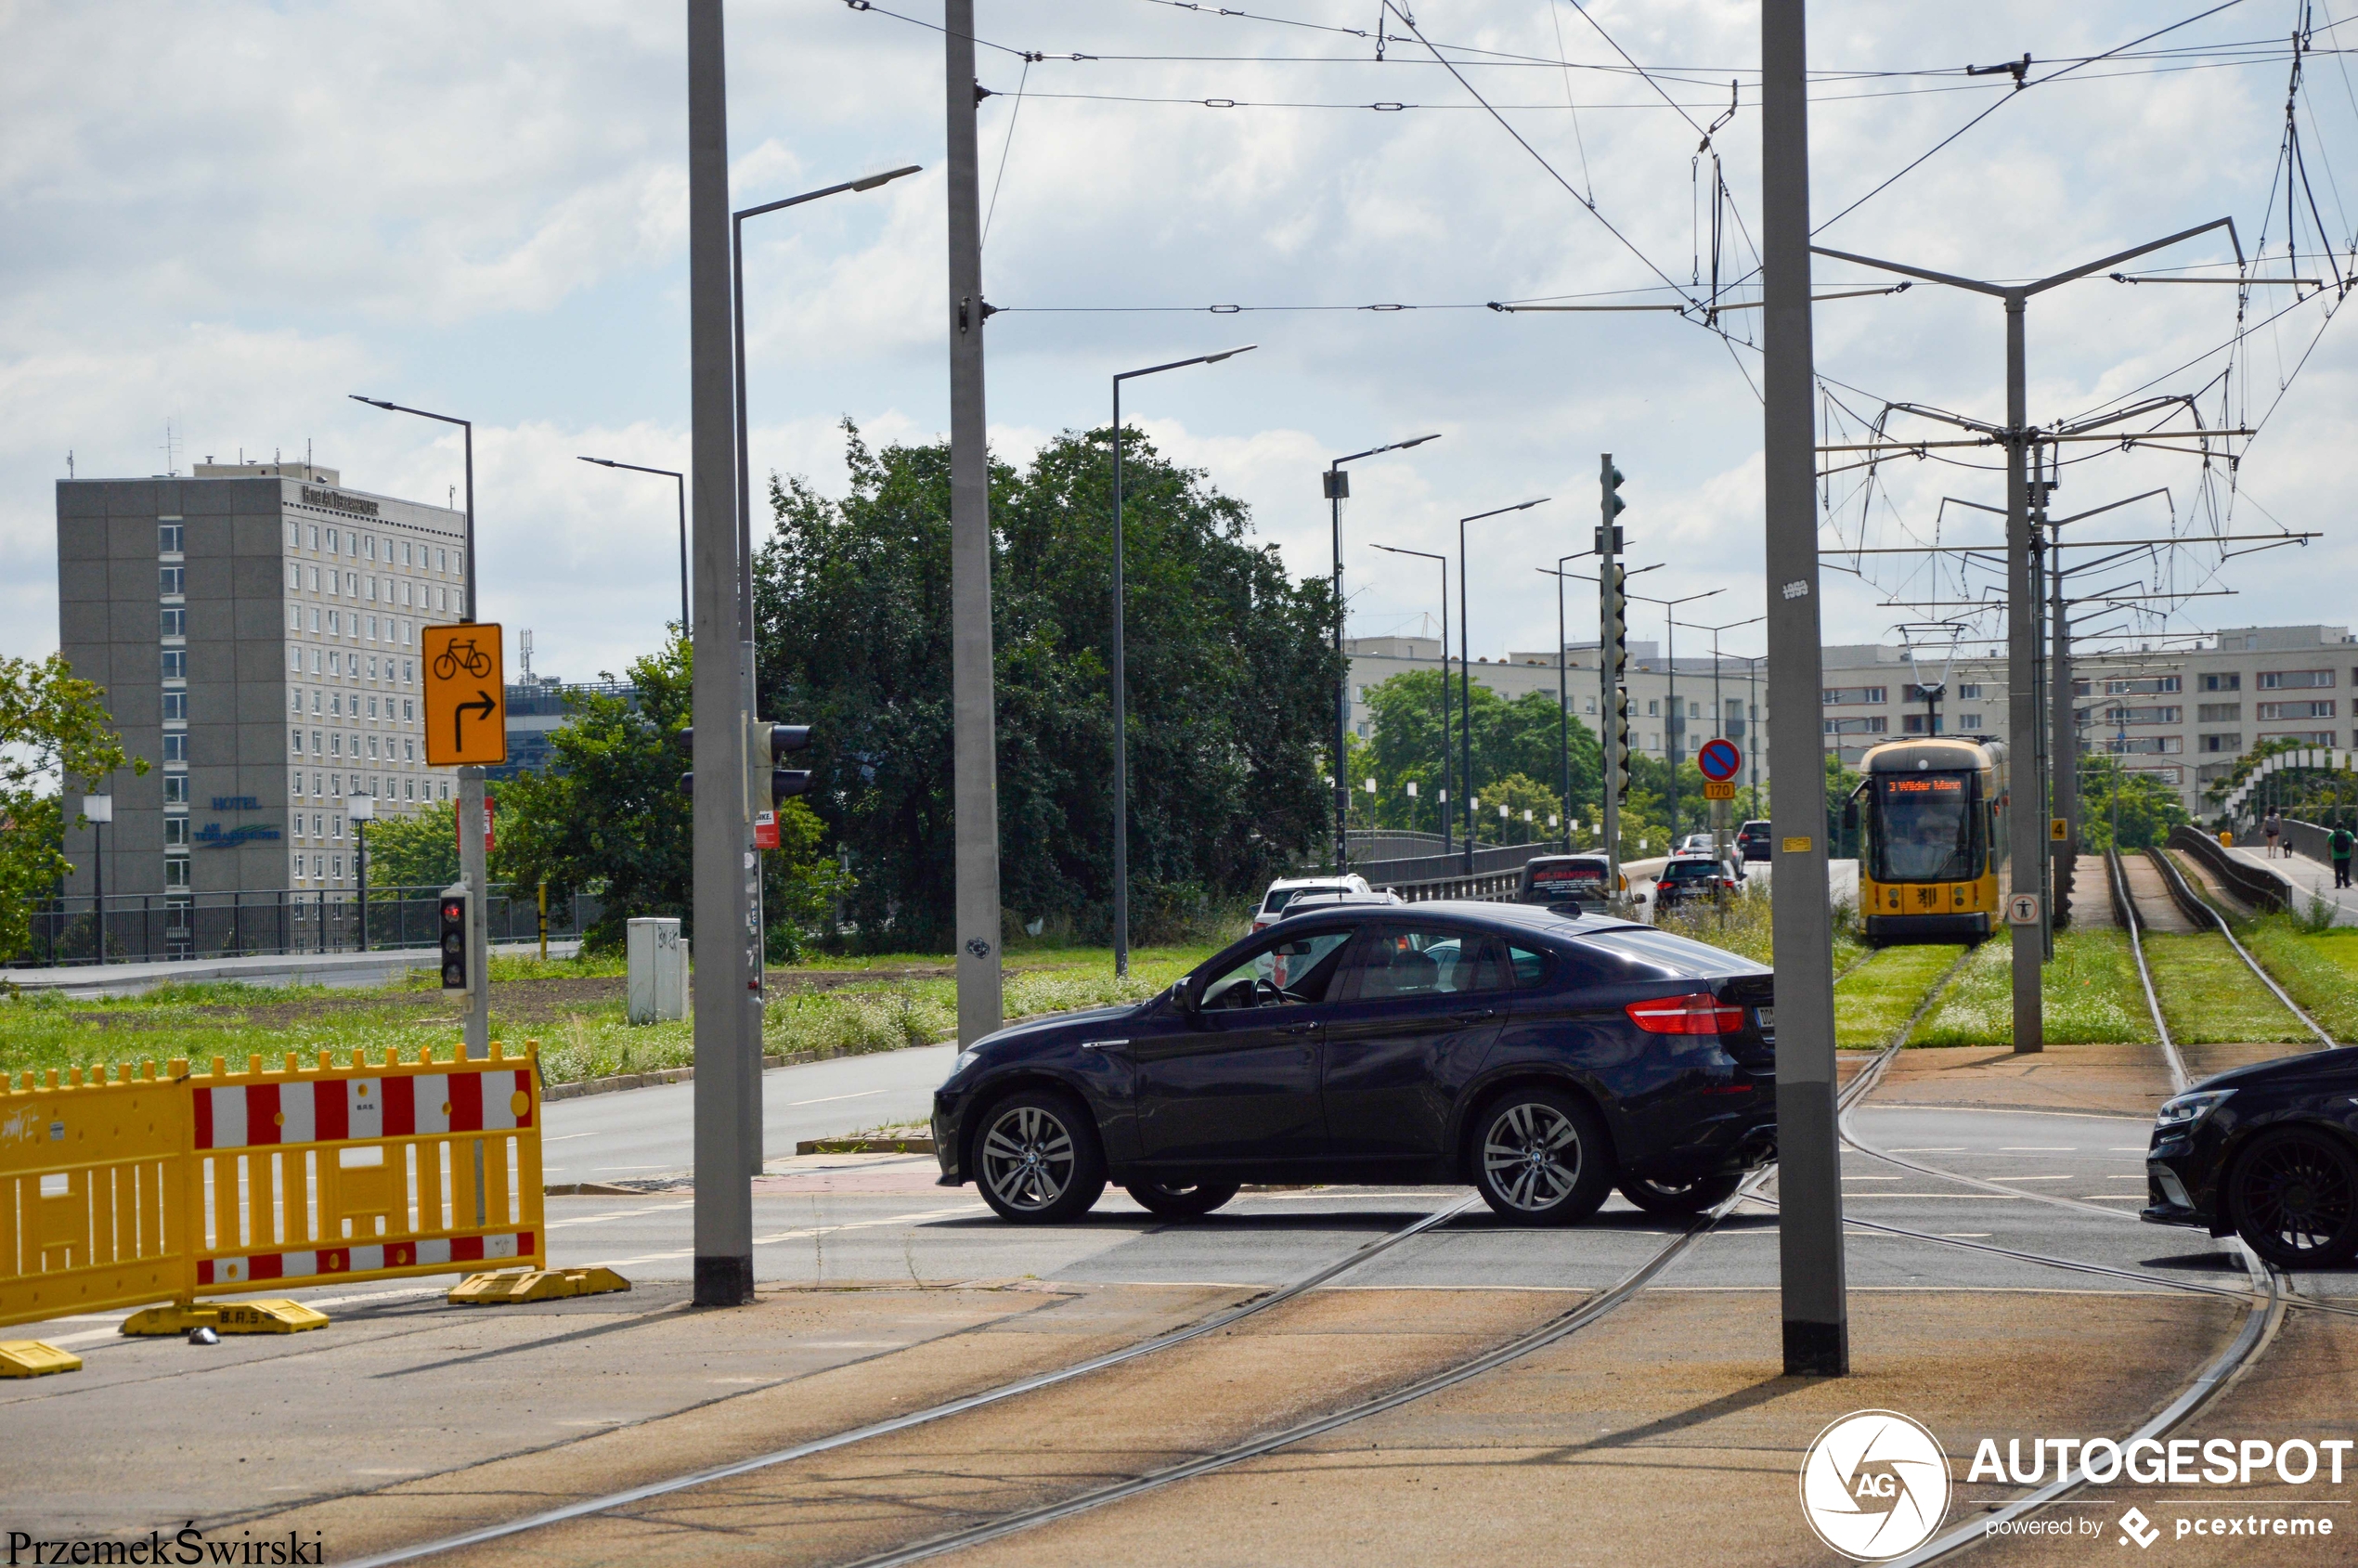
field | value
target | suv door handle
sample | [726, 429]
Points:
[1298, 1029]
[1473, 1018]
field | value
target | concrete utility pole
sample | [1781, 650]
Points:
[724, 1191]
[2063, 748]
[1809, 1250]
[972, 701]
[2027, 853]
[1613, 647]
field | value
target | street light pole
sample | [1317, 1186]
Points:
[2028, 856]
[685, 626]
[1120, 677]
[474, 868]
[1338, 488]
[1465, 680]
[1675, 723]
[1442, 804]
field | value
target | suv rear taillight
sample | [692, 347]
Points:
[1700, 1013]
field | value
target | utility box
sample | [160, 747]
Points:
[658, 986]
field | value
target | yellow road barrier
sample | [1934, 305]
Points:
[164, 1187]
[30, 1358]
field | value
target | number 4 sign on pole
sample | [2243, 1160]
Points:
[466, 695]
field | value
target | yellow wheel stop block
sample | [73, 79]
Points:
[517, 1287]
[30, 1358]
[228, 1317]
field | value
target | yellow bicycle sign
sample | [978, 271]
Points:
[466, 695]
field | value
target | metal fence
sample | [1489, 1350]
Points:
[148, 926]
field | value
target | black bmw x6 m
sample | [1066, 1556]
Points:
[2268, 1151]
[1544, 1056]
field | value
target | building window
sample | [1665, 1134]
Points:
[168, 536]
[175, 871]
[1969, 721]
[2142, 688]
[2170, 715]
[176, 664]
[1833, 696]
[176, 830]
[1654, 708]
[331, 542]
[172, 581]
[2294, 680]
[446, 789]
[176, 789]
[175, 623]
[2140, 745]
[2217, 713]
[2314, 708]
[408, 670]
[409, 751]
[1915, 724]
[175, 705]
[2306, 737]
[408, 789]
[372, 629]
[175, 745]
[1873, 724]
[315, 623]
[1969, 691]
[441, 560]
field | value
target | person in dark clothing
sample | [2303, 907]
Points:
[2271, 826]
[2339, 844]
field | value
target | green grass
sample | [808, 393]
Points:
[2210, 997]
[1742, 925]
[580, 1036]
[2319, 968]
[2090, 993]
[1876, 998]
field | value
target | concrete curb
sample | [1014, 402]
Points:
[921, 1144]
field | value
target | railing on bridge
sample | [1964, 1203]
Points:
[133, 928]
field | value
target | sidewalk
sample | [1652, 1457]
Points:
[302, 968]
[2307, 877]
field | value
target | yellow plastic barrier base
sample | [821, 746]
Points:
[30, 1358]
[231, 1317]
[535, 1285]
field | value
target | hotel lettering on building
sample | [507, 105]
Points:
[255, 626]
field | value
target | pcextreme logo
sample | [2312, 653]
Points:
[1874, 1485]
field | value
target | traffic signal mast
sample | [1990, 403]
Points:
[1613, 664]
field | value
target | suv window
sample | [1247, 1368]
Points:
[1299, 969]
[1413, 961]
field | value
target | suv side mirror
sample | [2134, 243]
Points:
[1183, 995]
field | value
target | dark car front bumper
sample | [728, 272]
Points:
[2177, 1194]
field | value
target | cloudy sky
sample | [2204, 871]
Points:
[222, 216]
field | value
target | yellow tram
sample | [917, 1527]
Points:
[1936, 835]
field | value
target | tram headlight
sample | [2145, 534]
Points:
[2182, 1113]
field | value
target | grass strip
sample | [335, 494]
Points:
[2211, 997]
[2090, 995]
[1873, 1000]
[2318, 968]
[581, 1035]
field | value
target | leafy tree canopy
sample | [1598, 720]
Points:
[54, 730]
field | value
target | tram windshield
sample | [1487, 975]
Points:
[1926, 828]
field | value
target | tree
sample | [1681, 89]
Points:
[2145, 808]
[1230, 674]
[1521, 738]
[54, 728]
[419, 849]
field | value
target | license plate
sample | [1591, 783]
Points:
[1768, 1020]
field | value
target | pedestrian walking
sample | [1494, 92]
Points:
[2272, 829]
[2339, 845]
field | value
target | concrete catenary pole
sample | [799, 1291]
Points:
[724, 1191]
[1817, 1314]
[973, 702]
[2027, 813]
[2062, 748]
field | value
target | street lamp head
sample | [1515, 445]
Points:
[1416, 440]
[601, 462]
[372, 402]
[870, 182]
[1229, 353]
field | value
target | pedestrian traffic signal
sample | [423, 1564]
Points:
[454, 940]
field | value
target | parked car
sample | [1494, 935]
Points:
[1544, 1057]
[2269, 1152]
[1694, 876]
[1580, 880]
[1752, 841]
[1286, 888]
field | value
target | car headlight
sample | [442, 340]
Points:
[2186, 1110]
[967, 1059]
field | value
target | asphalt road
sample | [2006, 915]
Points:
[876, 1218]
[641, 1134]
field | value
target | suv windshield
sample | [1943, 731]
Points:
[1281, 897]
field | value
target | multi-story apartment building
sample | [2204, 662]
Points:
[255, 628]
[2180, 710]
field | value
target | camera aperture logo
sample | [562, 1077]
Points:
[1875, 1484]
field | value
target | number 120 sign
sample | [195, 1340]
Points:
[466, 695]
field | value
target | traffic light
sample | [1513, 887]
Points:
[768, 786]
[1610, 506]
[1621, 738]
[1616, 611]
[454, 940]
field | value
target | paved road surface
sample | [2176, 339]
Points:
[640, 1133]
[2307, 877]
